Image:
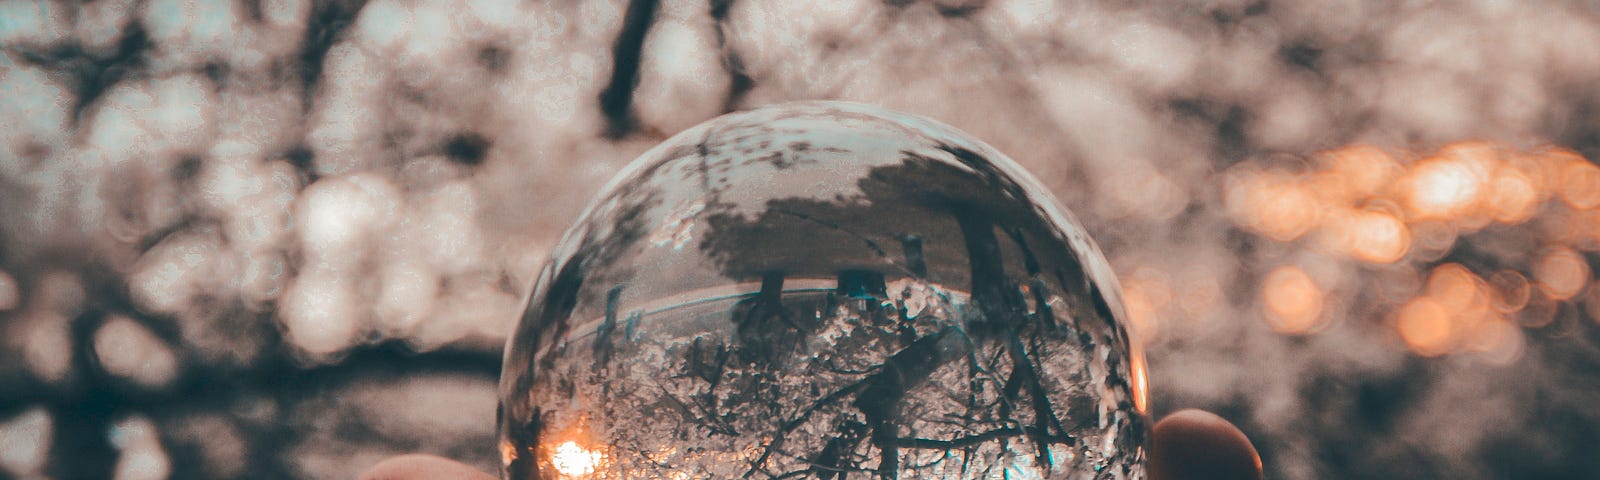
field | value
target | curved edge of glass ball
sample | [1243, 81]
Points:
[843, 202]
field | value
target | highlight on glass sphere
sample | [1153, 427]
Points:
[823, 290]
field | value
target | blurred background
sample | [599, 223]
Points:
[286, 239]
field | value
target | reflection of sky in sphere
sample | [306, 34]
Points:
[289, 184]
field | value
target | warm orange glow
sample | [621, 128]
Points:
[1293, 301]
[1368, 206]
[1461, 188]
[572, 460]
[1376, 237]
[1287, 211]
[1546, 167]
[1457, 288]
[1472, 151]
[1364, 169]
[1331, 189]
[508, 452]
[1580, 184]
[1464, 296]
[1141, 380]
[1513, 197]
[1561, 273]
[1425, 326]
[1441, 188]
[1482, 160]
[1141, 314]
[1146, 293]
[1155, 285]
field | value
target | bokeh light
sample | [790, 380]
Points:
[46, 345]
[1374, 236]
[25, 441]
[1497, 342]
[1561, 273]
[1146, 294]
[1417, 214]
[1443, 187]
[129, 350]
[1293, 300]
[1513, 196]
[1425, 326]
[1274, 204]
[1580, 182]
[142, 456]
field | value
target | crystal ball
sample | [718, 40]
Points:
[823, 290]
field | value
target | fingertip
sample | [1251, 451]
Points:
[423, 467]
[1198, 445]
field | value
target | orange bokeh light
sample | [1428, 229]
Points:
[1365, 170]
[1146, 292]
[508, 452]
[1376, 237]
[1360, 202]
[1293, 301]
[1288, 210]
[1441, 188]
[1461, 188]
[1513, 196]
[1561, 273]
[1457, 288]
[1580, 184]
[1425, 326]
[1142, 324]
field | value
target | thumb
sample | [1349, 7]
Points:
[1196, 445]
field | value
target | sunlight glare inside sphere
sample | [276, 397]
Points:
[823, 290]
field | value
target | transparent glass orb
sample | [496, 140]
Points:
[823, 290]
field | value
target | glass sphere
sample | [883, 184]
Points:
[823, 290]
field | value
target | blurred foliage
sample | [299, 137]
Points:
[278, 238]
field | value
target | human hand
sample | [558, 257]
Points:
[1197, 445]
[1187, 445]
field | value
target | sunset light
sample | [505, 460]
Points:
[574, 461]
[1414, 210]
